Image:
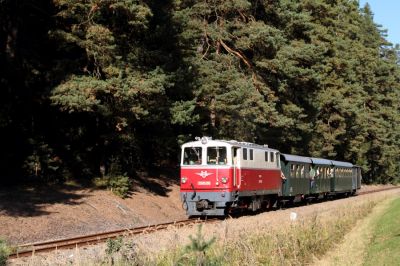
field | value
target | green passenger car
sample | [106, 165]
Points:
[296, 170]
[322, 179]
[343, 177]
[316, 177]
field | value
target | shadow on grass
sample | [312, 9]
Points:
[30, 200]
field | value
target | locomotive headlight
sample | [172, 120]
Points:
[224, 180]
[183, 179]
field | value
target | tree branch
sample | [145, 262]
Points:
[244, 59]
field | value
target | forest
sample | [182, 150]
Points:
[113, 87]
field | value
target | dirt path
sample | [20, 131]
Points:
[352, 250]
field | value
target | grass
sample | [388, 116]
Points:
[384, 248]
[289, 244]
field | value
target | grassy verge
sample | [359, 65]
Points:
[292, 244]
[385, 245]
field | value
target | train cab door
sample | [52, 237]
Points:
[236, 167]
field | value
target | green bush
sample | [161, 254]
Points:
[119, 185]
[114, 245]
[195, 252]
[4, 252]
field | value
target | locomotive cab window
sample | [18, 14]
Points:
[244, 154]
[266, 156]
[192, 156]
[251, 154]
[216, 155]
[272, 157]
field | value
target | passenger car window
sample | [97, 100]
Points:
[244, 154]
[251, 154]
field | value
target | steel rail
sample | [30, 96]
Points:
[30, 249]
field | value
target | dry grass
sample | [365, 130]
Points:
[291, 244]
[267, 239]
[352, 250]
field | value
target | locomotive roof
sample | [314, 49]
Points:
[211, 142]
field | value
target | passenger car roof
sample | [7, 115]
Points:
[296, 158]
[321, 161]
[342, 164]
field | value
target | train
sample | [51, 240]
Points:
[220, 177]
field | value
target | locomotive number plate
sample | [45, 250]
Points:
[204, 183]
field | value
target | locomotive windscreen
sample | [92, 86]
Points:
[216, 155]
[192, 156]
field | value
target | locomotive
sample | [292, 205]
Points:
[222, 176]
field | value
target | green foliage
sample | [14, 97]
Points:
[4, 252]
[114, 245]
[44, 163]
[195, 252]
[89, 82]
[119, 185]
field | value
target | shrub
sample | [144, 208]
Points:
[195, 251]
[114, 245]
[4, 252]
[119, 185]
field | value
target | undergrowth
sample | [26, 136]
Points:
[5, 251]
[114, 179]
[119, 185]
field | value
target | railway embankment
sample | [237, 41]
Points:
[269, 238]
[40, 213]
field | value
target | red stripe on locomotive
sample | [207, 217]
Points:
[211, 179]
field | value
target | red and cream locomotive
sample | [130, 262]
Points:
[218, 175]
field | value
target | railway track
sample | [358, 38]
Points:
[376, 190]
[30, 249]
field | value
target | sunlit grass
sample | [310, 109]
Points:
[292, 244]
[385, 245]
